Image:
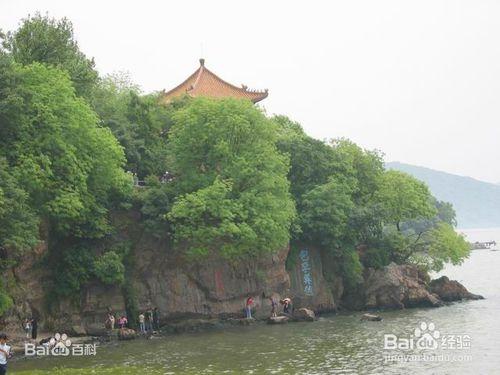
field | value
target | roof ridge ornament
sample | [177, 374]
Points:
[202, 61]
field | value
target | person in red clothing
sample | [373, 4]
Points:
[248, 307]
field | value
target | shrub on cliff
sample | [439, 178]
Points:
[5, 302]
[231, 180]
[109, 268]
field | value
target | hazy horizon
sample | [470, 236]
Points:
[417, 80]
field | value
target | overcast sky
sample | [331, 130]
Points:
[418, 80]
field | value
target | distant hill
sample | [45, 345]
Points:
[477, 203]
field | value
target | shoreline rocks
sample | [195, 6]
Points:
[451, 290]
[371, 317]
[304, 315]
[398, 286]
[126, 334]
[404, 286]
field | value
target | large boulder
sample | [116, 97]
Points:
[397, 286]
[304, 314]
[451, 290]
[277, 320]
[371, 317]
[126, 334]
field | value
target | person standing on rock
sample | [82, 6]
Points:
[274, 307]
[27, 328]
[34, 328]
[248, 307]
[111, 319]
[122, 322]
[142, 327]
[156, 319]
[5, 353]
[149, 320]
[287, 306]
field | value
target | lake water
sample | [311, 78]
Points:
[339, 344]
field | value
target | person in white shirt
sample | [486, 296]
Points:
[27, 328]
[141, 323]
[4, 353]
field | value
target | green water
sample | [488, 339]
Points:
[339, 344]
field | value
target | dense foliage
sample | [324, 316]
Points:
[211, 176]
[361, 214]
[69, 168]
[231, 180]
[138, 122]
[51, 42]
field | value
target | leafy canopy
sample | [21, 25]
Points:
[139, 122]
[67, 167]
[404, 198]
[231, 180]
[47, 40]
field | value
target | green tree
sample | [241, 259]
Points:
[439, 246]
[231, 180]
[18, 221]
[446, 213]
[70, 167]
[404, 198]
[325, 212]
[311, 161]
[157, 199]
[362, 169]
[139, 122]
[50, 41]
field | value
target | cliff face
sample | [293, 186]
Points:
[215, 288]
[160, 278]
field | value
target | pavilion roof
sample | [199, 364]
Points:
[205, 83]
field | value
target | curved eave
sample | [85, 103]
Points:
[203, 82]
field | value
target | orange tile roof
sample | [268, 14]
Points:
[205, 83]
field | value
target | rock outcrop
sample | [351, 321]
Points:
[397, 286]
[451, 290]
[126, 334]
[308, 285]
[305, 315]
[215, 288]
[391, 287]
[371, 317]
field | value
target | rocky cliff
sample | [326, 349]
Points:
[217, 288]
